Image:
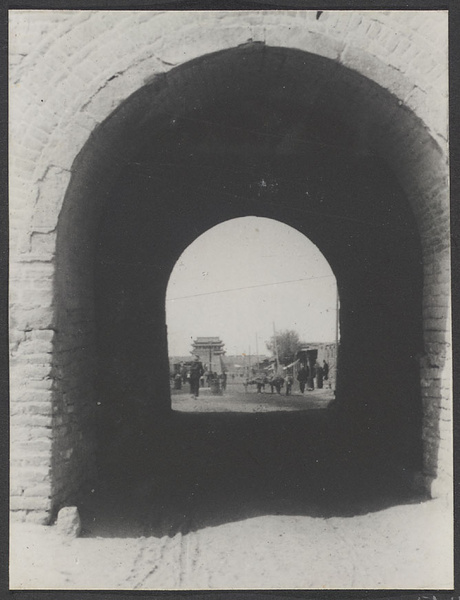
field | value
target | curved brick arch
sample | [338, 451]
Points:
[51, 136]
[90, 69]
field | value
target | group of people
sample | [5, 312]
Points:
[306, 376]
[193, 375]
[276, 383]
[197, 376]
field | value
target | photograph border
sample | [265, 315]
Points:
[454, 61]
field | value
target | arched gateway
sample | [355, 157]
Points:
[298, 124]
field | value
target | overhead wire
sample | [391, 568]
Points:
[248, 287]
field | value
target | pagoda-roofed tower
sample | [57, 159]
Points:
[210, 350]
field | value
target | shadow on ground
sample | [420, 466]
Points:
[196, 470]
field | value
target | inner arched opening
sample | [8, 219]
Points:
[252, 317]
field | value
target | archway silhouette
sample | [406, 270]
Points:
[179, 158]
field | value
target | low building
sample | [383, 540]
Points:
[314, 352]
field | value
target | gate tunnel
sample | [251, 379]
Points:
[266, 132]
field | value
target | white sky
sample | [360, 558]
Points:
[240, 253]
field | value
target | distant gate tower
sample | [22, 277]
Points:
[207, 348]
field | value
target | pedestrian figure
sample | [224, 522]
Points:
[319, 375]
[260, 383]
[325, 370]
[223, 381]
[289, 382]
[278, 382]
[215, 384]
[311, 379]
[196, 371]
[178, 381]
[302, 377]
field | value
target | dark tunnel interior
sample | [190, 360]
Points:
[243, 133]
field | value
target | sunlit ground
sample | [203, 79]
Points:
[236, 399]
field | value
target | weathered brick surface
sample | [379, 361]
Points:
[69, 71]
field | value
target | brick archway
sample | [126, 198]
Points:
[388, 139]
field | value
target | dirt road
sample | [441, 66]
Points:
[237, 399]
[241, 491]
[399, 548]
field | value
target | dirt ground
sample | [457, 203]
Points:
[404, 547]
[241, 491]
[236, 399]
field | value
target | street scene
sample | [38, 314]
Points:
[283, 303]
[262, 387]
[230, 339]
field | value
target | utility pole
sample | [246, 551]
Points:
[257, 352]
[276, 348]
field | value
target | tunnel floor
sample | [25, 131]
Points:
[401, 547]
[188, 471]
[232, 500]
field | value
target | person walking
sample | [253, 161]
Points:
[278, 382]
[196, 372]
[177, 381]
[289, 382]
[319, 375]
[223, 381]
[302, 377]
[260, 384]
[326, 374]
[311, 378]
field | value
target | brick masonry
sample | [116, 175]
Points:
[69, 71]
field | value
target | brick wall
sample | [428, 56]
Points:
[69, 71]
